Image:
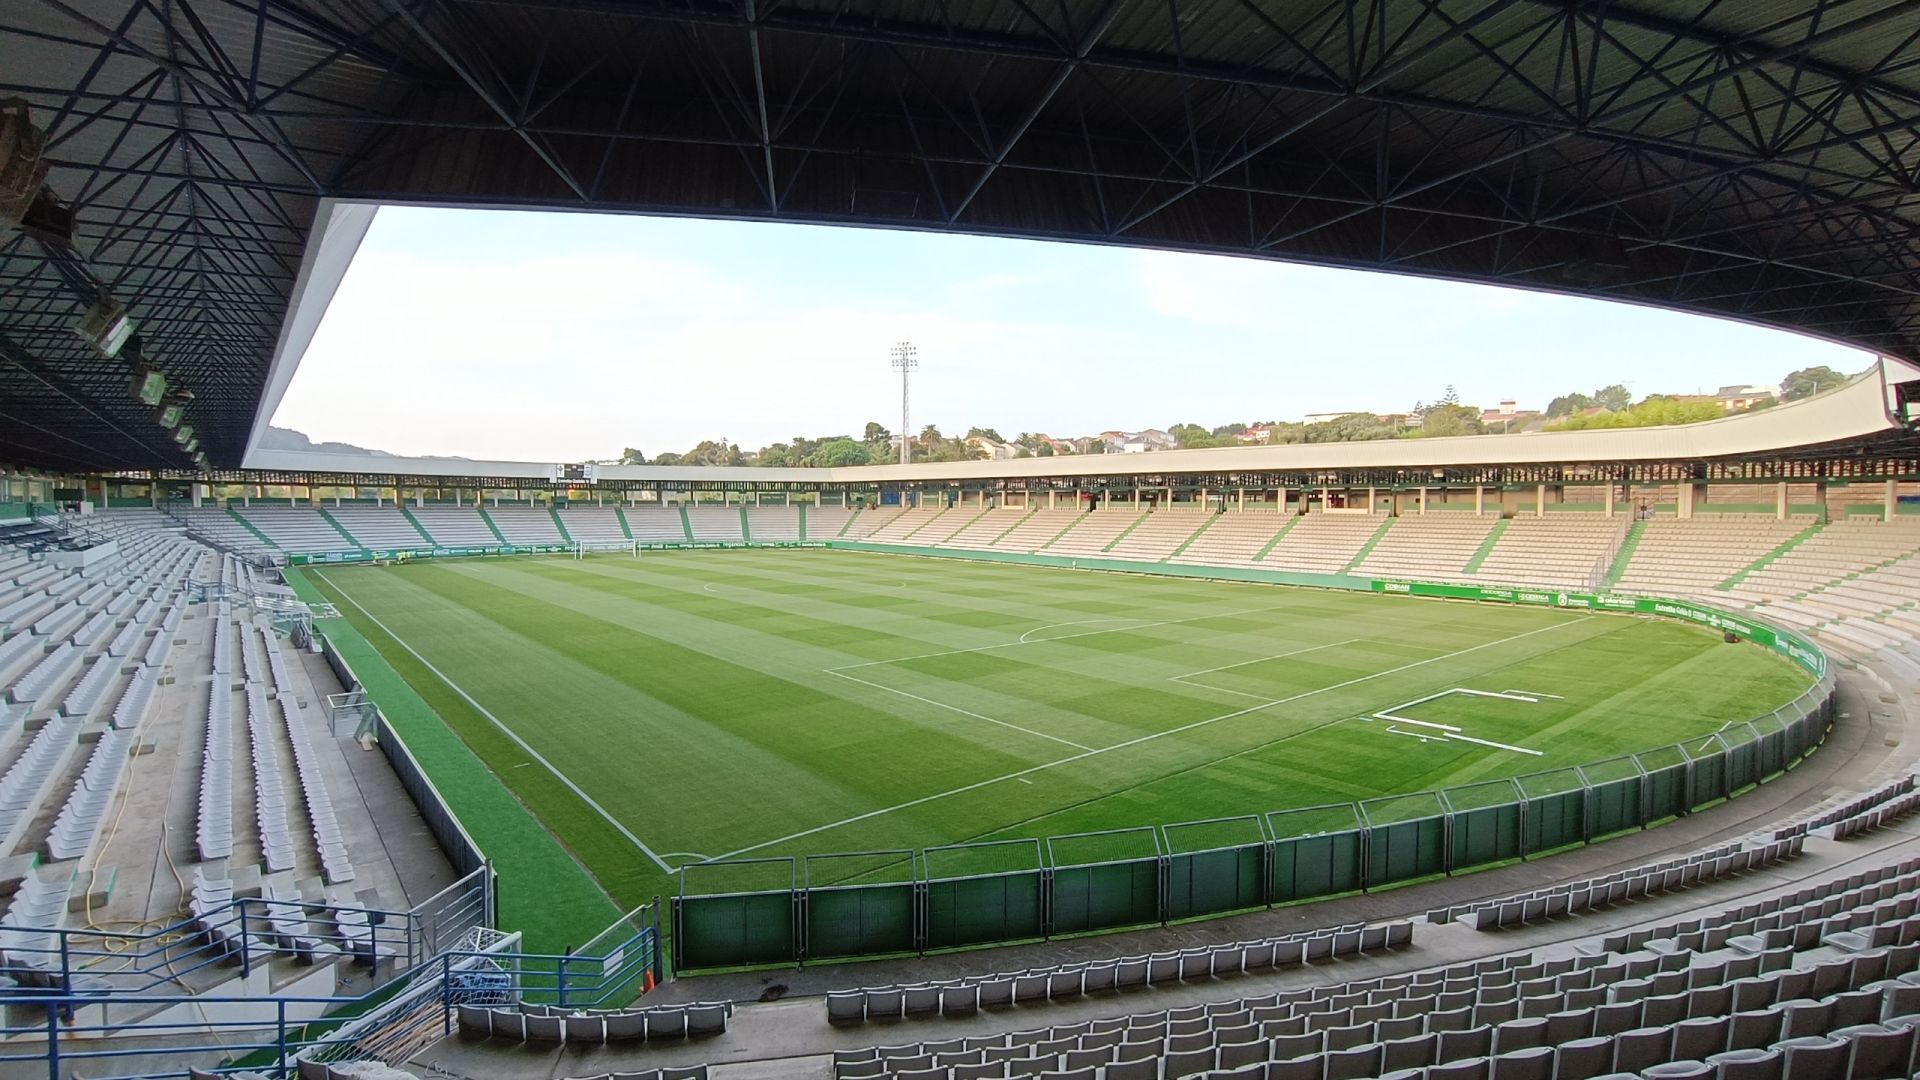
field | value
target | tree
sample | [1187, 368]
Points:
[630, 456]
[669, 459]
[1353, 427]
[1451, 397]
[1191, 436]
[714, 452]
[1229, 430]
[839, 453]
[1658, 410]
[1810, 381]
[876, 434]
[1447, 419]
[984, 433]
[1568, 404]
[776, 456]
[1613, 398]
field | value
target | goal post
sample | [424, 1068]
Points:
[584, 548]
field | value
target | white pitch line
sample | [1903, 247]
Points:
[1419, 723]
[1495, 745]
[1410, 734]
[1026, 638]
[976, 785]
[1062, 637]
[1260, 659]
[958, 709]
[504, 729]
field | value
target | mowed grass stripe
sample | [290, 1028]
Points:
[547, 891]
[708, 714]
[1091, 776]
[924, 616]
[647, 725]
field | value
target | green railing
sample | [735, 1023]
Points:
[1278, 858]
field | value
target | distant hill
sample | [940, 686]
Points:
[279, 438]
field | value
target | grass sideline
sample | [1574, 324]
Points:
[544, 892]
[799, 702]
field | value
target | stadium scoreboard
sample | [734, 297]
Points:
[574, 475]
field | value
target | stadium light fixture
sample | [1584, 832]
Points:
[182, 433]
[172, 407]
[105, 326]
[149, 383]
[905, 359]
[23, 164]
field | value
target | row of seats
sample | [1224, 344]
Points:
[587, 1027]
[1877, 817]
[1847, 807]
[1623, 886]
[213, 830]
[269, 783]
[966, 996]
[1795, 919]
[80, 818]
[1580, 1017]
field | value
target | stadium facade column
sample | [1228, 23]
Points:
[1423, 502]
[1479, 499]
[1608, 498]
[1540, 500]
[1370, 507]
[1780, 505]
[1685, 509]
[1892, 507]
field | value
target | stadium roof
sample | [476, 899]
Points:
[1752, 159]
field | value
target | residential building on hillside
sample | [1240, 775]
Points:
[1737, 398]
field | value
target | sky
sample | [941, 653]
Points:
[568, 337]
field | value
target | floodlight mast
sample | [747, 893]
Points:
[905, 359]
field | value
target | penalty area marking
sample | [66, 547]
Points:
[504, 729]
[1391, 714]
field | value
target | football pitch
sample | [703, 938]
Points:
[682, 706]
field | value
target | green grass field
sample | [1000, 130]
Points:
[716, 704]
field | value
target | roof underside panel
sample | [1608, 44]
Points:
[1758, 160]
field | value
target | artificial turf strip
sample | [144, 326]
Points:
[798, 702]
[543, 891]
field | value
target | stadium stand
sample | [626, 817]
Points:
[522, 524]
[1559, 550]
[890, 526]
[827, 522]
[590, 524]
[1434, 547]
[1236, 539]
[1692, 557]
[293, 529]
[1322, 543]
[656, 524]
[376, 526]
[715, 523]
[454, 526]
[1037, 529]
[223, 530]
[1093, 532]
[944, 525]
[773, 524]
[980, 533]
[1160, 534]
